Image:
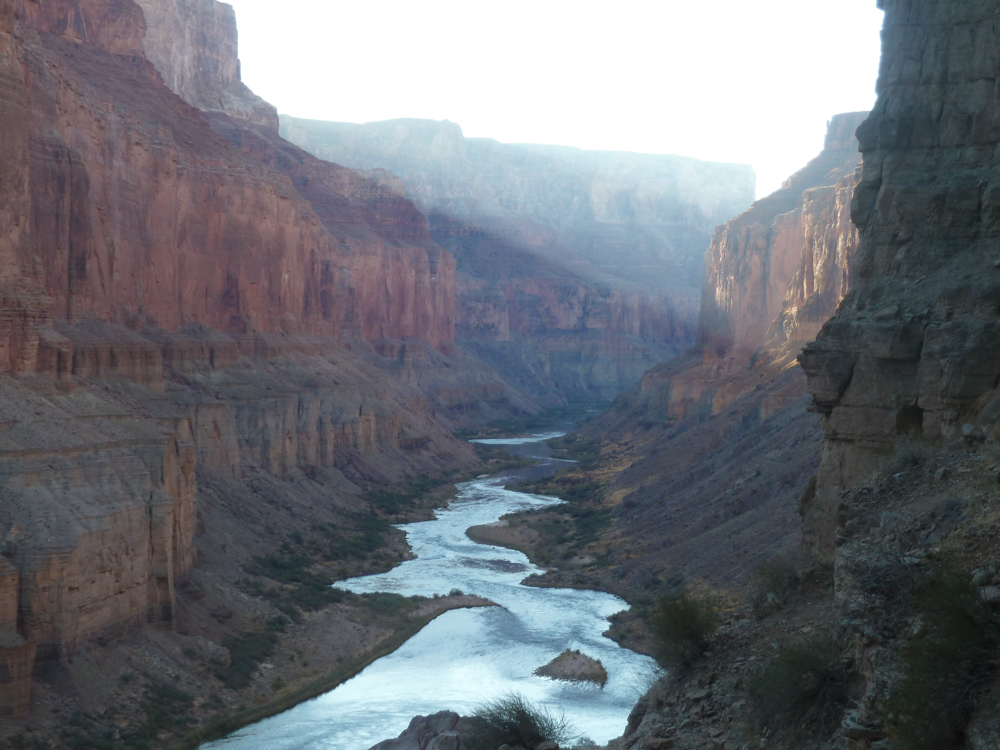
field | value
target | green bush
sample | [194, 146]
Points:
[945, 671]
[682, 625]
[512, 720]
[774, 583]
[246, 652]
[910, 451]
[803, 676]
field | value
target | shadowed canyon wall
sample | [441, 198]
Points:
[913, 347]
[577, 270]
[714, 448]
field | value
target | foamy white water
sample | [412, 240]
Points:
[466, 657]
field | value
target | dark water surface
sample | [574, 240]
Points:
[466, 657]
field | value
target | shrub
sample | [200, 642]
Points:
[277, 624]
[774, 582]
[384, 604]
[512, 720]
[167, 709]
[246, 652]
[945, 671]
[803, 676]
[910, 451]
[682, 625]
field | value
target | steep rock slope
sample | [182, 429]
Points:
[913, 347]
[711, 451]
[580, 268]
[753, 258]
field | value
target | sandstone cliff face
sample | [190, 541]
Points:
[773, 276]
[822, 279]
[23, 302]
[194, 46]
[912, 348]
[754, 258]
[583, 265]
[219, 237]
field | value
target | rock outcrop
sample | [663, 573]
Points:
[577, 270]
[912, 348]
[440, 731]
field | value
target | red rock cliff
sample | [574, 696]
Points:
[754, 258]
[190, 226]
[23, 302]
[134, 229]
[194, 45]
[913, 347]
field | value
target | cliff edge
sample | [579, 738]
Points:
[911, 351]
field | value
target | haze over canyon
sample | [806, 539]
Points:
[241, 352]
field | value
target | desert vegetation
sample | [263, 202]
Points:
[682, 625]
[805, 678]
[513, 720]
[946, 670]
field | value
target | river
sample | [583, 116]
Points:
[469, 656]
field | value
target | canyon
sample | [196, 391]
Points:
[209, 339]
[868, 299]
[701, 465]
[228, 366]
[577, 270]
[235, 347]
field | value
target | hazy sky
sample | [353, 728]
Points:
[726, 80]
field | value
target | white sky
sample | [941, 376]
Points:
[723, 80]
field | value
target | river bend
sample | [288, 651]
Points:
[469, 656]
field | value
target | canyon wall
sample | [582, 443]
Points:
[716, 447]
[221, 236]
[753, 258]
[195, 47]
[912, 350]
[577, 270]
[187, 299]
[24, 302]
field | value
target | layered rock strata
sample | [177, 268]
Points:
[578, 270]
[800, 231]
[912, 348]
[186, 297]
[222, 236]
